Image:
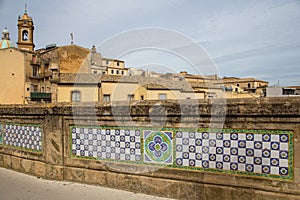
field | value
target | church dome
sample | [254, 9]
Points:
[5, 31]
[6, 44]
[5, 41]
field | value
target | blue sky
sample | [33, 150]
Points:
[244, 38]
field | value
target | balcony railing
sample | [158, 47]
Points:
[45, 74]
[39, 96]
[36, 76]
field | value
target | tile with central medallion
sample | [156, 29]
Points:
[158, 147]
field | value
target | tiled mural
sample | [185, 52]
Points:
[1, 135]
[158, 147]
[263, 153]
[117, 144]
[25, 136]
[266, 154]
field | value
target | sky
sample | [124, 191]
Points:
[240, 38]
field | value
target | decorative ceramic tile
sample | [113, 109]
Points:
[256, 153]
[1, 135]
[249, 153]
[23, 136]
[158, 147]
[107, 143]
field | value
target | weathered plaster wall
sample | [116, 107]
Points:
[12, 76]
[56, 161]
[88, 93]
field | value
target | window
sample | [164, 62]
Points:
[162, 96]
[112, 71]
[35, 71]
[238, 85]
[25, 35]
[142, 97]
[35, 88]
[288, 91]
[117, 71]
[46, 68]
[75, 96]
[249, 85]
[130, 97]
[107, 62]
[106, 97]
[122, 72]
[118, 64]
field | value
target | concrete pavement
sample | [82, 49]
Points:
[18, 186]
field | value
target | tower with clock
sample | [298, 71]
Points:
[25, 32]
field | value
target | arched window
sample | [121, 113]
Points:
[75, 96]
[25, 35]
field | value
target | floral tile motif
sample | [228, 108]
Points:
[1, 136]
[256, 153]
[22, 136]
[107, 143]
[250, 153]
[158, 147]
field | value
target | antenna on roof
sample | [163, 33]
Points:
[25, 7]
[71, 34]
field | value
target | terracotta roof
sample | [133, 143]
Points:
[150, 83]
[78, 78]
[235, 80]
[113, 59]
[297, 87]
[190, 76]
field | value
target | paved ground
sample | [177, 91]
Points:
[18, 186]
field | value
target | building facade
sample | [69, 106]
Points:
[73, 73]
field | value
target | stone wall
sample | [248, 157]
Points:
[234, 149]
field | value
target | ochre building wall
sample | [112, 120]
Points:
[88, 93]
[12, 77]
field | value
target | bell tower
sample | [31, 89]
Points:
[25, 32]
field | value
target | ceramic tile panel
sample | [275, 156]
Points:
[107, 143]
[25, 136]
[158, 147]
[249, 153]
[258, 153]
[1, 134]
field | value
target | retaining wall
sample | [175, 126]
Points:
[234, 149]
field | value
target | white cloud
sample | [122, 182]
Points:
[236, 33]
